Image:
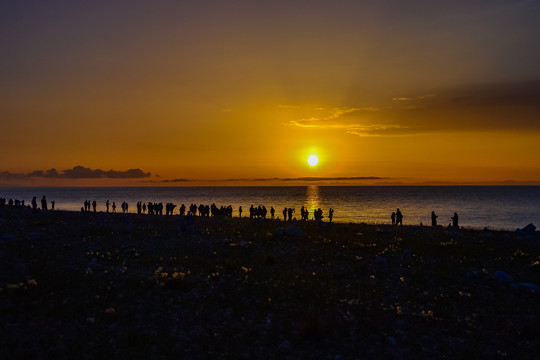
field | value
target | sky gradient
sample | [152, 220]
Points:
[207, 92]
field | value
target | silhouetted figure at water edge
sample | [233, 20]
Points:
[399, 217]
[240, 212]
[94, 205]
[433, 219]
[52, 204]
[318, 215]
[284, 214]
[330, 214]
[182, 210]
[107, 204]
[43, 203]
[393, 217]
[304, 213]
[455, 220]
[113, 207]
[290, 212]
[34, 203]
[169, 208]
[272, 212]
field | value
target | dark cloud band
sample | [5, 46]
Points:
[78, 172]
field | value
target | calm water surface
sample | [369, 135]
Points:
[496, 207]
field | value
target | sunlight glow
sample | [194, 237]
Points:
[313, 160]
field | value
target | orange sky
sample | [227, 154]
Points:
[382, 91]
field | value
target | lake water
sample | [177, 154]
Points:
[495, 207]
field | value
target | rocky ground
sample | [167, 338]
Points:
[84, 285]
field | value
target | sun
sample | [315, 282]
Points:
[313, 160]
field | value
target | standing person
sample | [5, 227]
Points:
[94, 205]
[240, 211]
[433, 219]
[285, 214]
[330, 214]
[393, 217]
[399, 217]
[113, 207]
[272, 212]
[43, 203]
[52, 204]
[455, 220]
[34, 203]
[108, 203]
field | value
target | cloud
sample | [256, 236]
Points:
[288, 107]
[314, 178]
[493, 107]
[335, 119]
[274, 179]
[77, 172]
[480, 107]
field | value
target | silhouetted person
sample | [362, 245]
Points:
[393, 217]
[94, 205]
[34, 203]
[284, 214]
[433, 219]
[272, 212]
[399, 217]
[108, 203]
[52, 204]
[240, 211]
[330, 214]
[113, 207]
[455, 220]
[43, 203]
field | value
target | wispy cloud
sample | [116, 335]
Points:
[274, 179]
[338, 119]
[420, 97]
[288, 107]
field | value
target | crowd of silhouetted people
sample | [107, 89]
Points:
[33, 204]
[255, 212]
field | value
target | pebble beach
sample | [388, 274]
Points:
[98, 285]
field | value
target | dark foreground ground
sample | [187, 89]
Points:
[75, 285]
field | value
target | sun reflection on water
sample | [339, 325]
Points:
[313, 199]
